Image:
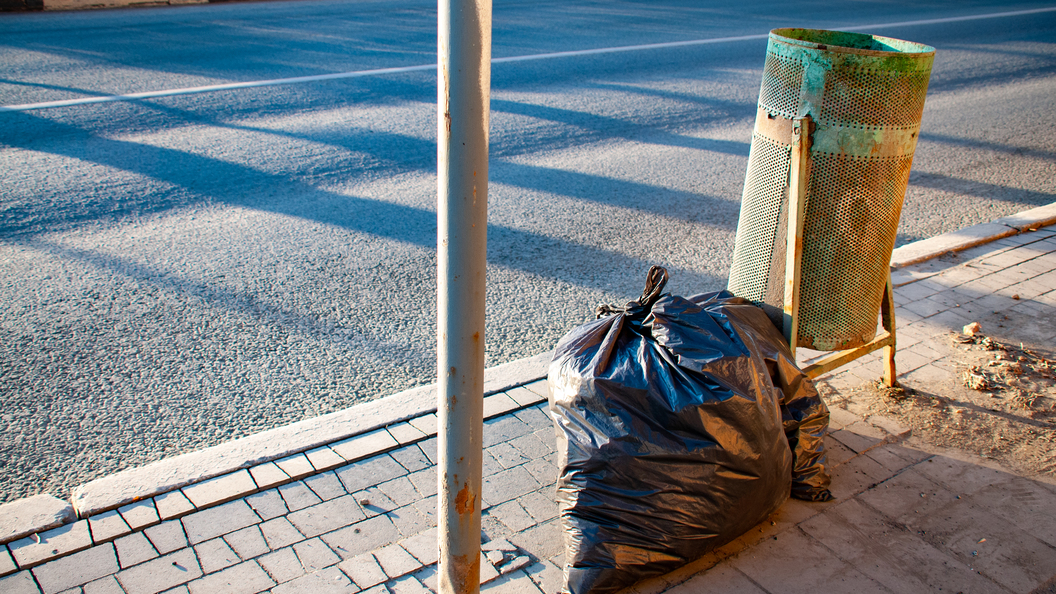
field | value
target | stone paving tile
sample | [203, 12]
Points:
[532, 446]
[960, 477]
[721, 579]
[536, 417]
[503, 429]
[498, 404]
[920, 290]
[523, 396]
[244, 578]
[7, 563]
[248, 542]
[364, 445]
[219, 520]
[412, 458]
[282, 565]
[279, 532]
[77, 569]
[429, 577]
[489, 465]
[896, 457]
[405, 433]
[1025, 504]
[425, 482]
[507, 455]
[268, 475]
[1008, 556]
[363, 570]
[167, 536]
[134, 549]
[547, 577]
[363, 537]
[517, 582]
[161, 573]
[508, 485]
[891, 426]
[214, 555]
[315, 555]
[140, 514]
[172, 505]
[909, 564]
[487, 570]
[908, 495]
[924, 308]
[324, 458]
[542, 541]
[400, 490]
[411, 519]
[427, 507]
[298, 496]
[326, 485]
[374, 501]
[427, 424]
[327, 516]
[541, 504]
[53, 543]
[924, 375]
[856, 475]
[778, 565]
[327, 581]
[395, 561]
[423, 546]
[107, 526]
[296, 466]
[907, 361]
[106, 585]
[408, 585]
[543, 470]
[268, 504]
[429, 447]
[220, 489]
[367, 473]
[19, 583]
[512, 515]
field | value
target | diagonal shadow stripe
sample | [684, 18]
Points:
[199, 178]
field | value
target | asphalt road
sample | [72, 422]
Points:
[180, 271]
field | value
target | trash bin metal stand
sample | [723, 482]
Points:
[799, 177]
[798, 173]
[885, 340]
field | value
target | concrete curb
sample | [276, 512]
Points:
[957, 241]
[136, 484]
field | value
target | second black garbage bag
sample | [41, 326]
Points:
[681, 423]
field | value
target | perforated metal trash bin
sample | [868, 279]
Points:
[864, 95]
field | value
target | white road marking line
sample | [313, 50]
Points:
[423, 67]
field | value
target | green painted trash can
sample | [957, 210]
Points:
[864, 95]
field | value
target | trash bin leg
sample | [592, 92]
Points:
[798, 175]
[887, 316]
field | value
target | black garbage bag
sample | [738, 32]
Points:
[681, 424]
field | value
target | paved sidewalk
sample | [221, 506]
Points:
[358, 515]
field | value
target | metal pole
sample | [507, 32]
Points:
[463, 95]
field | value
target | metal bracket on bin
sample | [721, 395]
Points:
[799, 174]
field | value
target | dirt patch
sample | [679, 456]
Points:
[999, 404]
